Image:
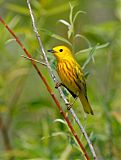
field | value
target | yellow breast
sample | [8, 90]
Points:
[67, 75]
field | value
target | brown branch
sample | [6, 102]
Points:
[49, 89]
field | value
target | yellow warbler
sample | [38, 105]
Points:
[71, 75]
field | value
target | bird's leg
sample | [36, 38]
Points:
[69, 105]
[74, 101]
[58, 84]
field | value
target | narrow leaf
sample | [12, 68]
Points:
[83, 37]
[70, 31]
[58, 9]
[64, 22]
[90, 48]
[77, 13]
[10, 40]
[60, 120]
[71, 14]
[17, 8]
[56, 36]
[89, 57]
[14, 21]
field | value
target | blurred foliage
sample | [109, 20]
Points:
[35, 127]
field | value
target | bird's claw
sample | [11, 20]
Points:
[69, 106]
[58, 85]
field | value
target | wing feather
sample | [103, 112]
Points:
[80, 79]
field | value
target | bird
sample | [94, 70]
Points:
[71, 75]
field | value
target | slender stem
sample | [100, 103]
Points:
[54, 79]
[40, 42]
[49, 90]
[6, 139]
[5, 135]
[34, 60]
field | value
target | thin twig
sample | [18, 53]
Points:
[34, 60]
[54, 79]
[49, 90]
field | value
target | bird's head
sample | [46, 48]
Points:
[61, 52]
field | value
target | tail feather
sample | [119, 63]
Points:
[85, 104]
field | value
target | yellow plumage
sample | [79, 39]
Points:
[71, 75]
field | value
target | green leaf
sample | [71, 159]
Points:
[14, 21]
[77, 13]
[10, 40]
[57, 9]
[89, 57]
[64, 22]
[86, 74]
[70, 31]
[71, 28]
[56, 36]
[17, 8]
[83, 37]
[90, 48]
[60, 120]
[71, 14]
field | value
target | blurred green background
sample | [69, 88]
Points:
[31, 125]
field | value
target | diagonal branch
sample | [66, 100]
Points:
[34, 60]
[55, 80]
[49, 89]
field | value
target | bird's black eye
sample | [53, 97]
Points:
[61, 50]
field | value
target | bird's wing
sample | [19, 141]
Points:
[72, 93]
[80, 80]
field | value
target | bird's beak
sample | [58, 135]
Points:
[51, 51]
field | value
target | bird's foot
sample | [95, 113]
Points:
[57, 85]
[74, 101]
[69, 106]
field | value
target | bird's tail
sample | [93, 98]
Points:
[85, 104]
